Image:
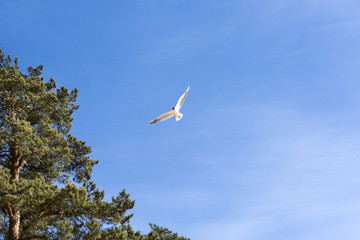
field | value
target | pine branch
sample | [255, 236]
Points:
[4, 116]
[4, 165]
[21, 165]
[9, 209]
[36, 109]
[23, 161]
[40, 216]
[22, 109]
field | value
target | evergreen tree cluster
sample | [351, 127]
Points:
[46, 191]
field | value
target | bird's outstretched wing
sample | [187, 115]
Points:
[181, 100]
[163, 117]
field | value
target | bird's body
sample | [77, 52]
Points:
[175, 110]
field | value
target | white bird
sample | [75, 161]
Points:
[175, 110]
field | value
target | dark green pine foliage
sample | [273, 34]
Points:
[46, 190]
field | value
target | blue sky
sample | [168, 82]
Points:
[268, 147]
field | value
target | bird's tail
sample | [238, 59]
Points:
[179, 117]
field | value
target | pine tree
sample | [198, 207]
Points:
[46, 190]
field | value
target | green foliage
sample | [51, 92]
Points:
[161, 233]
[45, 172]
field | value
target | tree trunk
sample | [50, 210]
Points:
[14, 218]
[14, 225]
[14, 214]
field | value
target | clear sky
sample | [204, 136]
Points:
[269, 145]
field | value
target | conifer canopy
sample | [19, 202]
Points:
[46, 191]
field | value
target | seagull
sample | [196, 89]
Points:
[175, 110]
